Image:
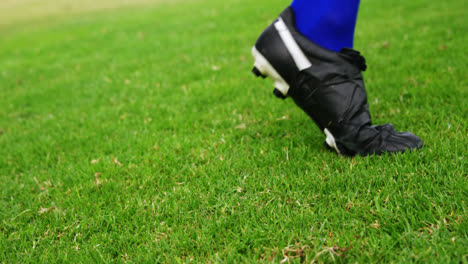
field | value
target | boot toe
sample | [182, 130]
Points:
[396, 142]
[410, 140]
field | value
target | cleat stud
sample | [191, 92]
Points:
[279, 94]
[257, 73]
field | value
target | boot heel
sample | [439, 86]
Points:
[263, 68]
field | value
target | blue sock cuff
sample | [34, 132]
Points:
[329, 23]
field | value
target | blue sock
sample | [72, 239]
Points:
[329, 23]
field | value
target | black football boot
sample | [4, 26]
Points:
[328, 86]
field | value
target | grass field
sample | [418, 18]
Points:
[136, 133]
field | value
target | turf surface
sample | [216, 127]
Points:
[138, 135]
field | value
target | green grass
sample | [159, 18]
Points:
[138, 135]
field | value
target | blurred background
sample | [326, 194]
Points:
[20, 11]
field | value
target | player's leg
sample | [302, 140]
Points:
[329, 23]
[326, 84]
